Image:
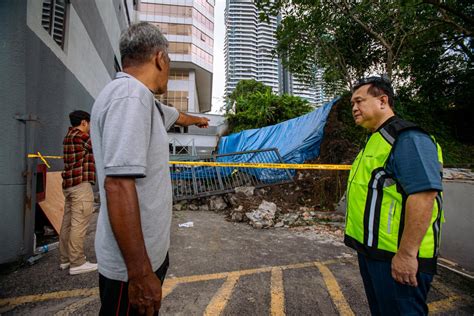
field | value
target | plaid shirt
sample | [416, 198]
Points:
[79, 164]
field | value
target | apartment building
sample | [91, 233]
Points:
[248, 50]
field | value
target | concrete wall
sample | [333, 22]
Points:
[457, 240]
[12, 131]
[41, 79]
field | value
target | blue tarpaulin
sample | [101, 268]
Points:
[298, 140]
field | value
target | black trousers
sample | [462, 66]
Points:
[114, 294]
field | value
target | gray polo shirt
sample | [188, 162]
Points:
[129, 138]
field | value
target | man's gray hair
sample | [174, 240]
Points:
[140, 41]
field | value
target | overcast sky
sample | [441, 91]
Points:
[218, 79]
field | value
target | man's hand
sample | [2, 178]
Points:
[419, 209]
[144, 293]
[203, 122]
[404, 268]
[187, 120]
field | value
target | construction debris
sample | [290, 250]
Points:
[263, 216]
[458, 174]
[314, 198]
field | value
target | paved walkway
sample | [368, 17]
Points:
[222, 268]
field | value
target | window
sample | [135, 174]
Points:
[176, 74]
[53, 19]
[176, 99]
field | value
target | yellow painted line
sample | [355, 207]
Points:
[277, 293]
[76, 305]
[168, 286]
[444, 305]
[221, 298]
[442, 288]
[262, 165]
[48, 296]
[334, 290]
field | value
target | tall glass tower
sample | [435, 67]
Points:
[248, 48]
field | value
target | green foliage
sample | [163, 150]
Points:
[248, 87]
[253, 105]
[437, 122]
[454, 151]
[425, 46]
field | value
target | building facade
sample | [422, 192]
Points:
[248, 50]
[59, 55]
[189, 27]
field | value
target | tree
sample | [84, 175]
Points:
[350, 39]
[425, 46]
[255, 106]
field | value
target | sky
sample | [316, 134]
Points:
[218, 79]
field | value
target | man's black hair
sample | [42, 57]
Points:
[77, 117]
[378, 86]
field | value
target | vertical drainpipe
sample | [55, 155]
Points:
[30, 122]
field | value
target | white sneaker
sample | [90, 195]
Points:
[64, 266]
[86, 267]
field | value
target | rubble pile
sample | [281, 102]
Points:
[311, 199]
[258, 208]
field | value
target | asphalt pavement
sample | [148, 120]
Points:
[223, 268]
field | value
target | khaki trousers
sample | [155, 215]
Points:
[78, 208]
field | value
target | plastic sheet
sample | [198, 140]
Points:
[297, 140]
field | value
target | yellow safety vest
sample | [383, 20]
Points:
[376, 202]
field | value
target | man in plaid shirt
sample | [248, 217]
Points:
[78, 178]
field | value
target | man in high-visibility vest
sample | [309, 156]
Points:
[394, 204]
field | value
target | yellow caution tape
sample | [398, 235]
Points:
[39, 155]
[43, 158]
[263, 165]
[232, 164]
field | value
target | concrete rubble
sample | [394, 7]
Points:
[252, 205]
[263, 216]
[458, 174]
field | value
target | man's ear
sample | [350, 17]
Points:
[158, 59]
[383, 101]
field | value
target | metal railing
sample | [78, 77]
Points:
[199, 181]
[177, 148]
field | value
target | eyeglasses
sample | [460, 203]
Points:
[382, 82]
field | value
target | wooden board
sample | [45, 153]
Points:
[53, 205]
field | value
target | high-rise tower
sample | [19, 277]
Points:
[248, 46]
[248, 49]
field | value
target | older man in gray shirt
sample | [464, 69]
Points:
[128, 128]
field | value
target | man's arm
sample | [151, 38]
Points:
[186, 120]
[124, 215]
[418, 214]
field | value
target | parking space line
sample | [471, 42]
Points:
[168, 287]
[169, 284]
[13, 301]
[222, 296]
[444, 305]
[334, 290]
[76, 305]
[220, 299]
[277, 293]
